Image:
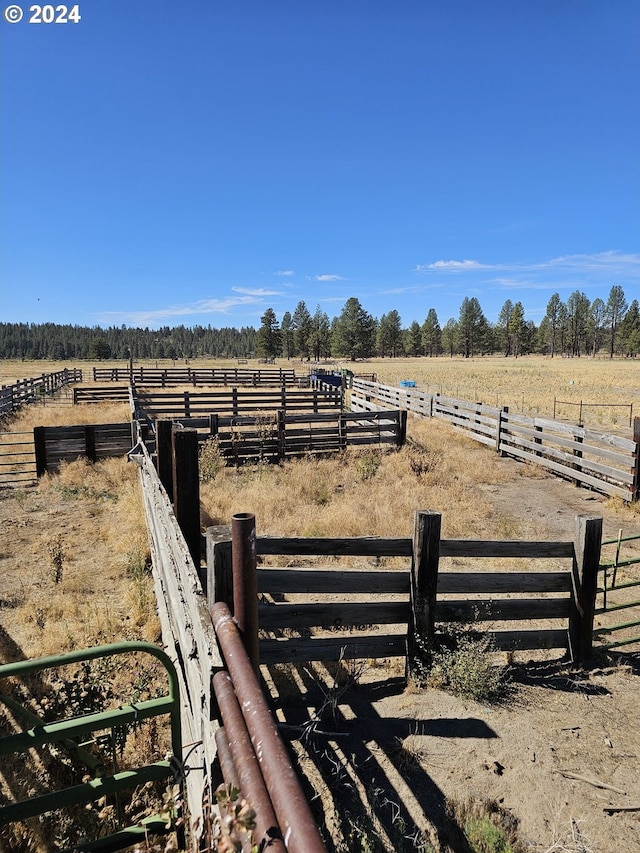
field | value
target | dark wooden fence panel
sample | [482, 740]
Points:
[274, 436]
[164, 376]
[234, 402]
[55, 445]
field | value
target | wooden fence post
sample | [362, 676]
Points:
[282, 435]
[577, 452]
[186, 488]
[424, 578]
[501, 412]
[635, 486]
[587, 544]
[245, 583]
[219, 581]
[40, 446]
[90, 442]
[164, 455]
[402, 427]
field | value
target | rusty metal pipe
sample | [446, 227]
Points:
[267, 833]
[301, 834]
[245, 582]
[225, 759]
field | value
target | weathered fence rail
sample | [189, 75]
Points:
[30, 390]
[607, 463]
[237, 742]
[195, 375]
[235, 401]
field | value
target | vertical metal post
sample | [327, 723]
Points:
[245, 582]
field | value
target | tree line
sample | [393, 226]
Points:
[576, 327]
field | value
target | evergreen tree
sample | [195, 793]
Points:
[413, 339]
[431, 334]
[504, 327]
[516, 328]
[450, 337]
[553, 316]
[616, 307]
[353, 332]
[389, 334]
[630, 330]
[286, 328]
[578, 314]
[320, 337]
[269, 337]
[472, 323]
[595, 325]
[301, 323]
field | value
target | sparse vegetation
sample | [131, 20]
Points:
[460, 663]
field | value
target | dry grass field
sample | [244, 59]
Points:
[409, 753]
[527, 385]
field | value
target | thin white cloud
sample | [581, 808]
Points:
[453, 266]
[203, 306]
[284, 272]
[329, 277]
[257, 291]
[612, 262]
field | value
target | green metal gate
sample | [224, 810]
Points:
[75, 734]
[616, 579]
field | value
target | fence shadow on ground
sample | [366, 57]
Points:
[359, 779]
[556, 675]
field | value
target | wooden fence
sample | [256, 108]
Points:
[195, 375]
[277, 436]
[235, 401]
[54, 445]
[607, 463]
[93, 394]
[30, 390]
[415, 599]
[267, 779]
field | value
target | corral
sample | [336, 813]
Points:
[376, 672]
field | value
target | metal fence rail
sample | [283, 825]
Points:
[614, 597]
[17, 459]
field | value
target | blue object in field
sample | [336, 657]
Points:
[407, 383]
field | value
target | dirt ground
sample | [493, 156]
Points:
[558, 757]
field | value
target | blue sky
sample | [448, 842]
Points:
[197, 162]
